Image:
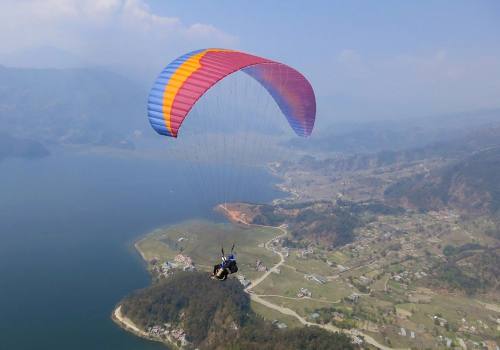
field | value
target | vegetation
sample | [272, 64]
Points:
[470, 185]
[218, 315]
[450, 250]
[470, 268]
[342, 318]
[196, 239]
[268, 216]
[330, 223]
[456, 278]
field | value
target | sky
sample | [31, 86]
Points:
[365, 59]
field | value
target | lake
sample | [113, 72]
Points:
[67, 224]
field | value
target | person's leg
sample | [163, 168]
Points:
[220, 272]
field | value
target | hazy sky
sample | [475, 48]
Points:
[365, 59]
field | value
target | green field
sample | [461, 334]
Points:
[201, 240]
[271, 315]
[289, 281]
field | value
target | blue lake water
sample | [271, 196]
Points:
[67, 223]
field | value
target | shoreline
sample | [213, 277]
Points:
[127, 324]
[136, 247]
[231, 215]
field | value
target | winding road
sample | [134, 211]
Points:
[287, 311]
[257, 281]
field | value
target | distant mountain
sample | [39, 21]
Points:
[396, 135]
[471, 185]
[71, 106]
[42, 57]
[456, 147]
[20, 148]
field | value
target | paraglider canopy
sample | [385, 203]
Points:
[186, 79]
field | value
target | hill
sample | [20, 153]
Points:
[20, 148]
[327, 223]
[217, 315]
[455, 147]
[469, 185]
[396, 135]
[70, 106]
[470, 268]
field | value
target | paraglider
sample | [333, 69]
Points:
[186, 79]
[226, 267]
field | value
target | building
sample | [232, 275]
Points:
[183, 259]
[341, 268]
[314, 316]
[448, 342]
[304, 293]
[259, 266]
[353, 298]
[364, 280]
[316, 278]
[189, 268]
[280, 325]
[244, 282]
[302, 253]
[167, 266]
[440, 321]
[357, 340]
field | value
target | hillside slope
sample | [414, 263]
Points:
[217, 315]
[470, 185]
[70, 106]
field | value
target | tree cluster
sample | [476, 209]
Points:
[217, 315]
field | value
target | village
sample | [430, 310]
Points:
[385, 275]
[165, 269]
[167, 332]
[379, 284]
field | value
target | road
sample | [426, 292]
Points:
[301, 299]
[257, 281]
[287, 311]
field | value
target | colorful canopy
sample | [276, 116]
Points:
[186, 79]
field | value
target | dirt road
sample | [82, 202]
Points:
[287, 311]
[257, 281]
